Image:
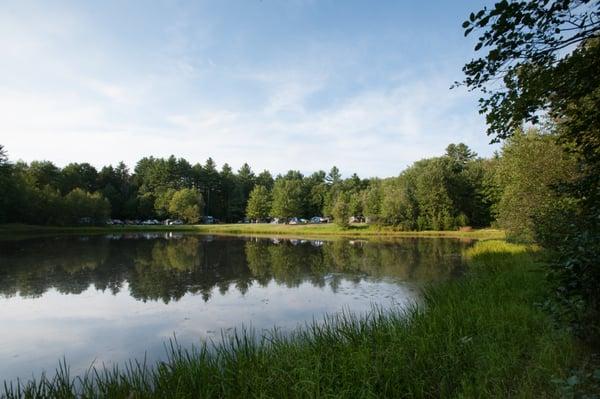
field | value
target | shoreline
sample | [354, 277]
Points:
[464, 342]
[324, 230]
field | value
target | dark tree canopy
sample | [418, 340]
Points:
[3, 155]
[537, 55]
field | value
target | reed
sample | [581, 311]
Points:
[480, 336]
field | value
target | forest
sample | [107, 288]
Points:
[446, 192]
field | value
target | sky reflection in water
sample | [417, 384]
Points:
[106, 299]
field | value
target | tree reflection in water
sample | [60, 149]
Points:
[168, 266]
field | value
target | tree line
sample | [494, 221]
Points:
[453, 190]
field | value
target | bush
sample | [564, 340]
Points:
[341, 211]
[82, 205]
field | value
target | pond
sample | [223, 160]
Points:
[108, 299]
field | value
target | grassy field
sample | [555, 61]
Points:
[481, 336]
[360, 230]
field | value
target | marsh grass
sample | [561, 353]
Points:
[481, 336]
[263, 229]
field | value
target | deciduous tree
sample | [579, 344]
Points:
[187, 204]
[259, 204]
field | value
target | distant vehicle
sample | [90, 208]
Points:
[175, 222]
[315, 219]
[356, 219]
[208, 220]
[294, 221]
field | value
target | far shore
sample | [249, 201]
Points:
[259, 229]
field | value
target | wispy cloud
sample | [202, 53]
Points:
[70, 90]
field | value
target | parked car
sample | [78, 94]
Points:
[315, 219]
[356, 219]
[175, 222]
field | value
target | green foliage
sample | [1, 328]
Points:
[259, 204]
[341, 211]
[334, 177]
[547, 55]
[399, 206]
[525, 45]
[7, 184]
[432, 194]
[186, 204]
[371, 201]
[265, 179]
[43, 173]
[288, 198]
[76, 175]
[80, 204]
[3, 156]
[531, 164]
[116, 184]
[460, 153]
[162, 202]
[355, 206]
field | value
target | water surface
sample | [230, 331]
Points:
[107, 299]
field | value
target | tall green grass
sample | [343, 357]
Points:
[481, 336]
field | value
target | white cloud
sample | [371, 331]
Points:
[67, 109]
[376, 132]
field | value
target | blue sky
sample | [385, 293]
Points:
[298, 84]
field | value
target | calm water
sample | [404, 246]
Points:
[106, 299]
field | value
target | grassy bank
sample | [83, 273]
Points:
[482, 336]
[361, 230]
